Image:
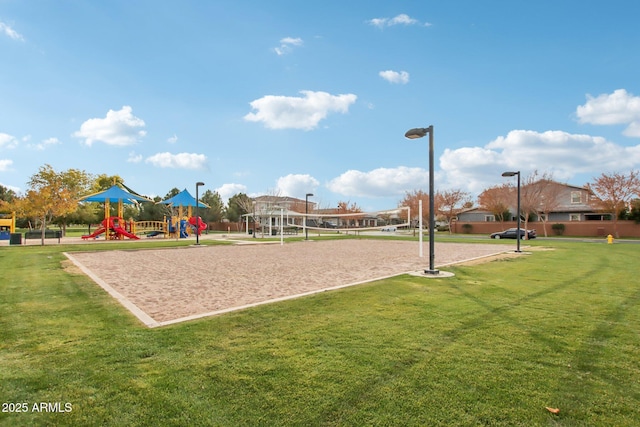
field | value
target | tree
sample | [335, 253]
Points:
[153, 211]
[449, 203]
[634, 214]
[52, 194]
[239, 204]
[173, 192]
[412, 200]
[496, 200]
[549, 200]
[7, 195]
[104, 182]
[532, 192]
[613, 192]
[85, 213]
[215, 212]
[348, 208]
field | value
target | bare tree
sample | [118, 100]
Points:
[532, 191]
[348, 208]
[265, 208]
[412, 199]
[614, 192]
[239, 204]
[549, 200]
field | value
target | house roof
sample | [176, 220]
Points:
[278, 199]
[565, 204]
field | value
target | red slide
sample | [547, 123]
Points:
[113, 223]
[201, 225]
[122, 232]
[95, 234]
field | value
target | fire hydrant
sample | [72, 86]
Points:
[609, 239]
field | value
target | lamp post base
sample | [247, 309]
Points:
[433, 272]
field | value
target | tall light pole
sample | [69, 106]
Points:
[518, 230]
[306, 212]
[419, 133]
[198, 184]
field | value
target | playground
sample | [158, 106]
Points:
[173, 285]
[7, 225]
[117, 228]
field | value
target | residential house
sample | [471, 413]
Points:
[570, 208]
[571, 204]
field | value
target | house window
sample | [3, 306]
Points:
[489, 218]
[574, 217]
[576, 197]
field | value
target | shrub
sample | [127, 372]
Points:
[558, 229]
[466, 228]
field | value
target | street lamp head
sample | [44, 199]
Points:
[417, 133]
[309, 195]
[198, 184]
[510, 173]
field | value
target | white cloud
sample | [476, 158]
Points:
[381, 182]
[117, 128]
[5, 164]
[296, 185]
[45, 144]
[173, 139]
[178, 161]
[228, 190]
[8, 141]
[378, 22]
[288, 112]
[402, 19]
[616, 108]
[562, 154]
[287, 44]
[134, 158]
[10, 32]
[391, 76]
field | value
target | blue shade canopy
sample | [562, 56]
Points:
[183, 198]
[115, 194]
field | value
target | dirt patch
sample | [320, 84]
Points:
[69, 267]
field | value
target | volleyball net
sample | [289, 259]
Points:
[344, 222]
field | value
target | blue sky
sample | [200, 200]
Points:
[289, 97]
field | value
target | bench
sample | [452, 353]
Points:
[48, 234]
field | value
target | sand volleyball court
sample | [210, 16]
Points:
[165, 286]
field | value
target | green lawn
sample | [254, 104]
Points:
[493, 345]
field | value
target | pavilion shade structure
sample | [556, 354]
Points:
[115, 194]
[183, 198]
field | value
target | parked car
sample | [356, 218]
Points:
[389, 228]
[511, 233]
